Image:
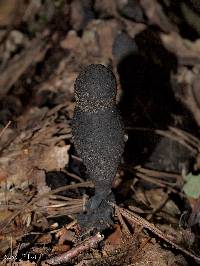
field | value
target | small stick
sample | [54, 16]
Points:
[169, 135]
[156, 173]
[162, 184]
[76, 177]
[192, 140]
[136, 219]
[119, 215]
[74, 252]
[4, 129]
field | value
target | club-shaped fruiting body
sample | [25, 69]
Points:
[97, 127]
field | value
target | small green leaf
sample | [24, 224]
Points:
[192, 185]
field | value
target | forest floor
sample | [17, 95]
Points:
[153, 48]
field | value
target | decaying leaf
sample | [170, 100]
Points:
[40, 144]
[56, 158]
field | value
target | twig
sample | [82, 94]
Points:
[192, 140]
[136, 219]
[4, 129]
[76, 177]
[119, 215]
[169, 135]
[74, 252]
[156, 173]
[163, 203]
[162, 184]
[142, 173]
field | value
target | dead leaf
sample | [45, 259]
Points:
[60, 248]
[55, 158]
[114, 240]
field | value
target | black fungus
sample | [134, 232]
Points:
[98, 134]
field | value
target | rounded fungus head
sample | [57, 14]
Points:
[95, 83]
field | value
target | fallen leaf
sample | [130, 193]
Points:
[55, 159]
[114, 241]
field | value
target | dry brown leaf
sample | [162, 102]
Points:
[37, 146]
[60, 248]
[114, 241]
[55, 158]
[44, 239]
[65, 235]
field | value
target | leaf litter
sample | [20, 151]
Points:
[43, 47]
